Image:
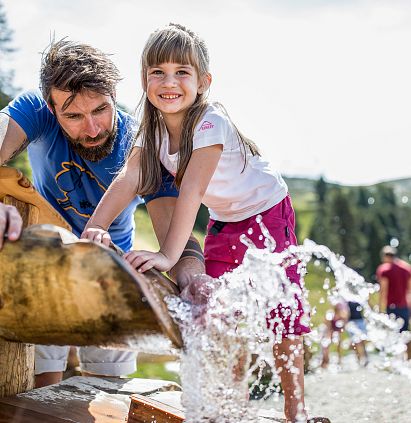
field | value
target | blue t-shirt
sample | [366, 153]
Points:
[72, 185]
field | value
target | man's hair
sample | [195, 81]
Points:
[74, 67]
[388, 251]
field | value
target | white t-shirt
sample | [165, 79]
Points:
[233, 194]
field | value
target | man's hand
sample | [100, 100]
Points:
[11, 223]
[145, 260]
[199, 288]
[97, 234]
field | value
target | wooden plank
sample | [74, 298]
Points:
[80, 399]
[12, 414]
[164, 407]
[145, 410]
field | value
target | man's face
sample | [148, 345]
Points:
[89, 122]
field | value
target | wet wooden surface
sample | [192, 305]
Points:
[79, 400]
[57, 290]
[104, 400]
[143, 409]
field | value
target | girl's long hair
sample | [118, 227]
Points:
[173, 44]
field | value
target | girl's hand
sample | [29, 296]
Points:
[97, 234]
[145, 260]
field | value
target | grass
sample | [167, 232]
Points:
[147, 368]
[145, 238]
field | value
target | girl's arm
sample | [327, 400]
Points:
[196, 178]
[118, 195]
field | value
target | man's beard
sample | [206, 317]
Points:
[97, 153]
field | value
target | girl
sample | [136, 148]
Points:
[213, 163]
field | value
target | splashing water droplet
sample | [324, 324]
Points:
[269, 241]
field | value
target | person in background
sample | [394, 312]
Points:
[357, 330]
[334, 325]
[394, 277]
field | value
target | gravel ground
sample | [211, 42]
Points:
[350, 393]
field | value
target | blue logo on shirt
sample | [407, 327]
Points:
[75, 181]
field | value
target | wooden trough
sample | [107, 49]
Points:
[55, 289]
[59, 290]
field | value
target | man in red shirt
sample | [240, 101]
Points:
[394, 276]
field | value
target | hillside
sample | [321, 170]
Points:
[303, 189]
[304, 197]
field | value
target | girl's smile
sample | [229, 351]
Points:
[172, 88]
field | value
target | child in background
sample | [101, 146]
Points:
[335, 321]
[357, 330]
[214, 164]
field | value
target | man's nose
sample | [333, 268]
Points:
[92, 128]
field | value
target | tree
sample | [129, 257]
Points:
[374, 233]
[321, 189]
[320, 229]
[6, 87]
[363, 197]
[5, 50]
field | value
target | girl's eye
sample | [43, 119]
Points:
[182, 72]
[156, 72]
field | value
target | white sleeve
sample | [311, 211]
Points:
[210, 131]
[139, 141]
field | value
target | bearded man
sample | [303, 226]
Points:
[77, 141]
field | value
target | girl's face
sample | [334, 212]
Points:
[172, 88]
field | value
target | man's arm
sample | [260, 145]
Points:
[192, 261]
[383, 293]
[13, 141]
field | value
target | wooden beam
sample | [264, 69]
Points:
[57, 290]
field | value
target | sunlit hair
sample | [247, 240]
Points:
[172, 44]
[74, 67]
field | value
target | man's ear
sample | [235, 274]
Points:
[205, 83]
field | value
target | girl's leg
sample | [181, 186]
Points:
[289, 360]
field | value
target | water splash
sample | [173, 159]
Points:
[216, 363]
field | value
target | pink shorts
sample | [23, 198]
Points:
[221, 257]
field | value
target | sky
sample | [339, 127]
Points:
[322, 86]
